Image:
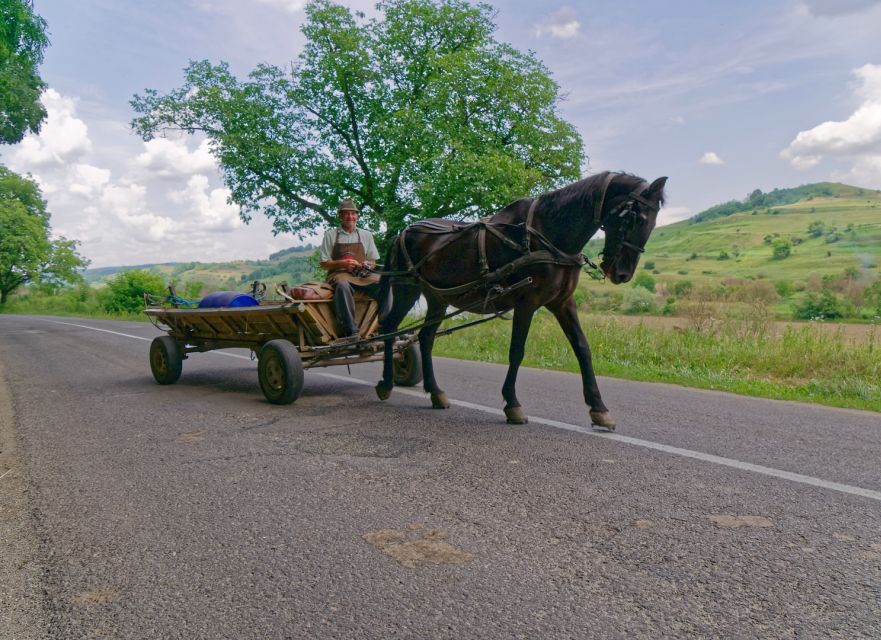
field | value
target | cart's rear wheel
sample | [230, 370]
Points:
[408, 367]
[166, 359]
[280, 372]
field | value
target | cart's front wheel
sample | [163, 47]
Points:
[280, 372]
[166, 360]
[408, 367]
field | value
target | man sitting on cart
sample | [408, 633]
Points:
[348, 254]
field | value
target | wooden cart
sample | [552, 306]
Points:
[286, 337]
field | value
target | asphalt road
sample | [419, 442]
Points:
[132, 510]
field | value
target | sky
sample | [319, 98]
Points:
[721, 97]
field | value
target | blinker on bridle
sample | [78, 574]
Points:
[626, 212]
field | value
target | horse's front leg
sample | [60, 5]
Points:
[519, 333]
[433, 316]
[402, 301]
[567, 315]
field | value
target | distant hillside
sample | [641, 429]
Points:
[780, 197]
[291, 265]
[829, 229]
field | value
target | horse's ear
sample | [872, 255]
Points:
[658, 185]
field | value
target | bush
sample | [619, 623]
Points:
[645, 281]
[124, 293]
[649, 265]
[821, 306]
[784, 288]
[638, 300]
[723, 255]
[681, 288]
[817, 228]
[781, 249]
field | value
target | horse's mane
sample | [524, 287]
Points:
[581, 195]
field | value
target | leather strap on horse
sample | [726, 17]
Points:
[598, 209]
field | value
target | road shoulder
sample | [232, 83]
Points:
[23, 614]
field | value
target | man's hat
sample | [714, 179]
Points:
[347, 205]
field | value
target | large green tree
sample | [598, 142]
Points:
[27, 254]
[418, 112]
[22, 41]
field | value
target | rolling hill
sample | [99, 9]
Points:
[828, 227]
[290, 264]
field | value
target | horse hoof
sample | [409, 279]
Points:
[602, 419]
[515, 415]
[439, 401]
[383, 391]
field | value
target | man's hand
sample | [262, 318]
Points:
[351, 264]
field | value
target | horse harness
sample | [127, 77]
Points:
[547, 254]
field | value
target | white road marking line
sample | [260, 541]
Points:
[648, 444]
[116, 333]
[638, 442]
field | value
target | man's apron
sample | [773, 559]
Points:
[356, 251]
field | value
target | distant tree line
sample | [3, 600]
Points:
[760, 200]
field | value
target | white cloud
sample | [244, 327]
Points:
[62, 138]
[87, 180]
[711, 157]
[291, 6]
[166, 158]
[832, 8]
[127, 204]
[669, 215]
[563, 24]
[206, 210]
[857, 138]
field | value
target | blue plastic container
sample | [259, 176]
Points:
[227, 299]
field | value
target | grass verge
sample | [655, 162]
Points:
[803, 364]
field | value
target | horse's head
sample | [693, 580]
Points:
[628, 221]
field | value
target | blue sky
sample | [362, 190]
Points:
[722, 97]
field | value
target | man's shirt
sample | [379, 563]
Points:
[358, 235]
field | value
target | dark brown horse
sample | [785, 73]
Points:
[526, 256]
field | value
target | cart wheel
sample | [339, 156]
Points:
[166, 360]
[280, 372]
[408, 368]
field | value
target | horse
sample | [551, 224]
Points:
[525, 256]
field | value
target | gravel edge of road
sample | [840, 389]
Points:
[23, 613]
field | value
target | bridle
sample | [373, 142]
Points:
[626, 215]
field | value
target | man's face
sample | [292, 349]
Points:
[348, 220]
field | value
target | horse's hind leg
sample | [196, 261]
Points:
[436, 311]
[403, 300]
[567, 315]
[519, 332]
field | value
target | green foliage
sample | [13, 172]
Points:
[22, 41]
[816, 228]
[781, 248]
[873, 297]
[124, 293]
[644, 280]
[417, 112]
[649, 265]
[26, 253]
[637, 300]
[824, 305]
[681, 288]
[723, 255]
[784, 288]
